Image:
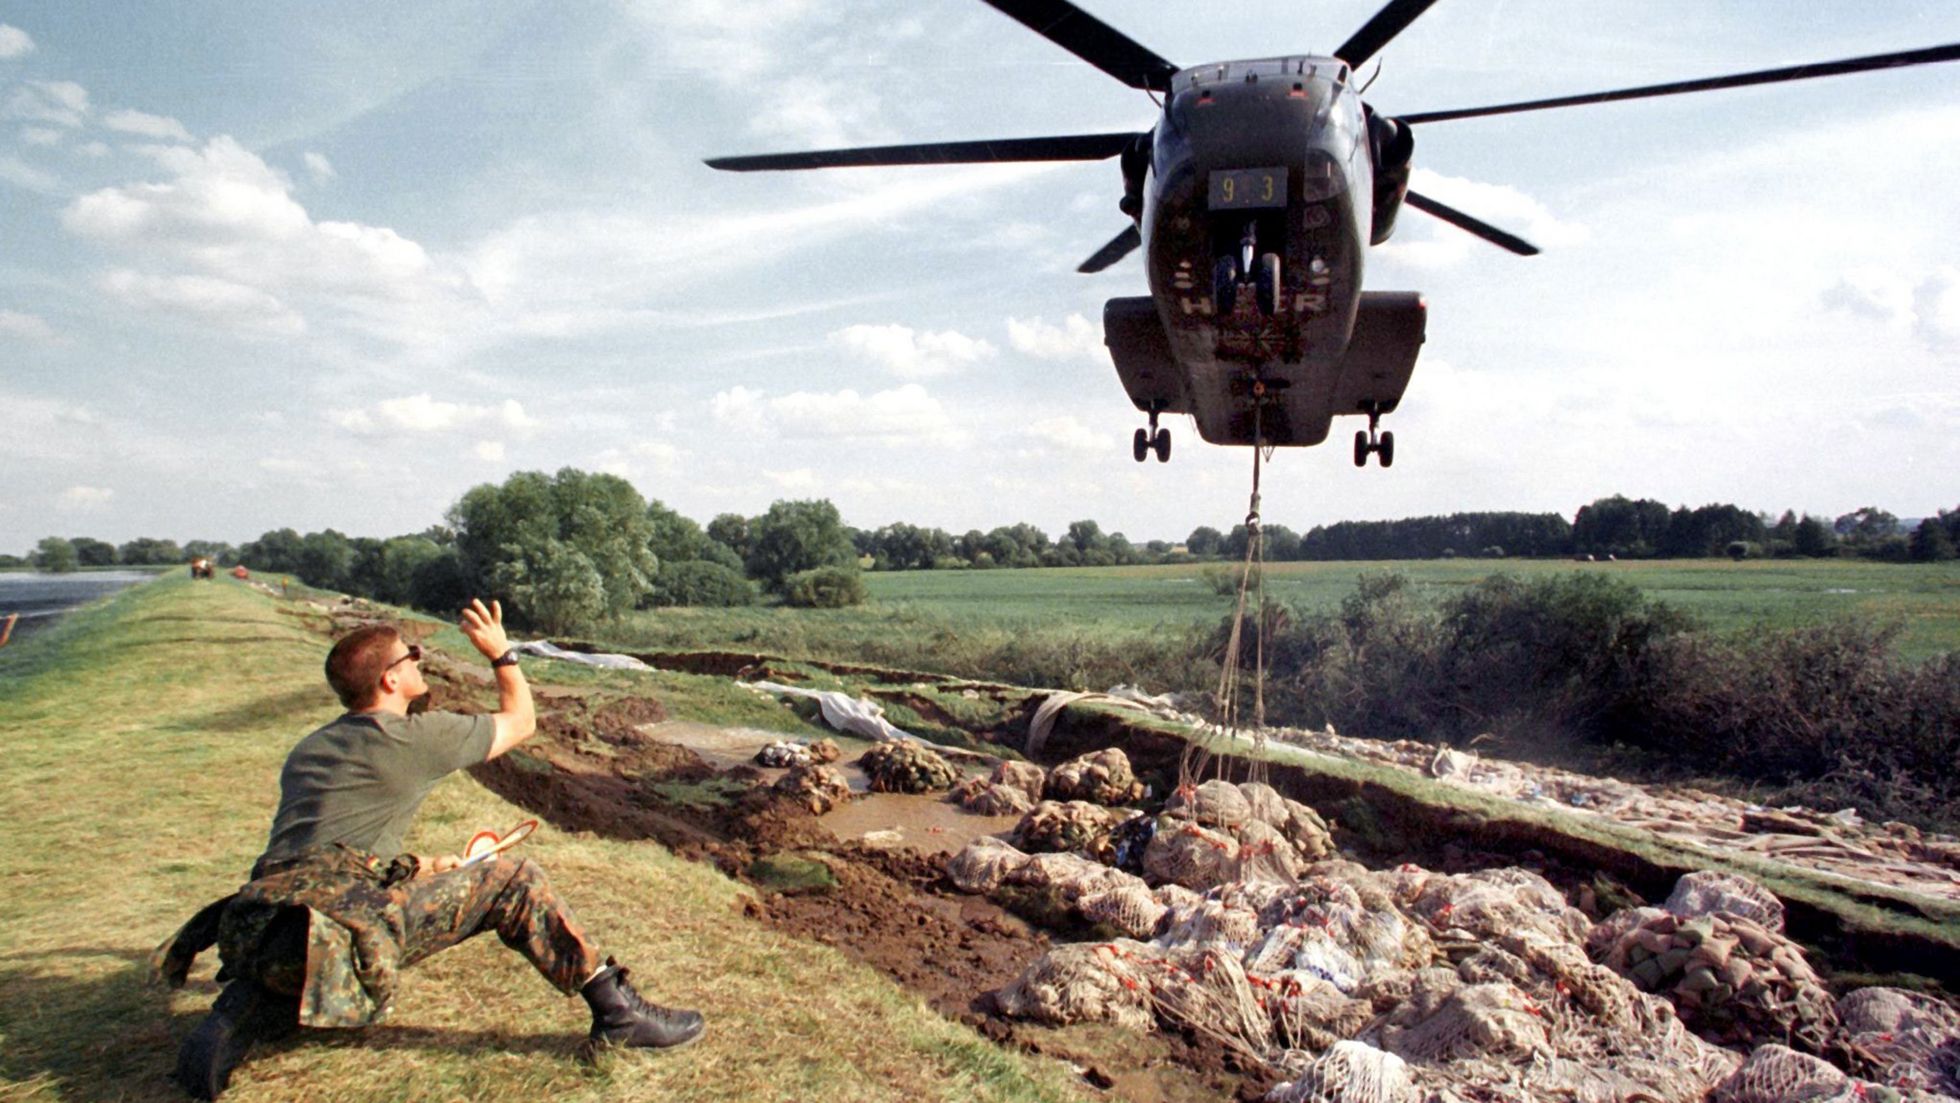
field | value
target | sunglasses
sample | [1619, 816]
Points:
[414, 656]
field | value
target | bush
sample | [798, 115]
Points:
[699, 582]
[824, 588]
[1224, 581]
[1584, 663]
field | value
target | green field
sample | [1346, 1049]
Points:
[1924, 599]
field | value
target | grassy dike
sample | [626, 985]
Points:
[140, 743]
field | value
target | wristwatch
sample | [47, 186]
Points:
[508, 658]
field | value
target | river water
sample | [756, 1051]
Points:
[41, 599]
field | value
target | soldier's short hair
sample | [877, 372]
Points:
[355, 664]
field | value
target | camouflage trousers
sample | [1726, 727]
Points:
[333, 928]
[511, 897]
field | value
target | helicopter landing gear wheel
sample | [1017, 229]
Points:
[1140, 445]
[1225, 285]
[1367, 441]
[1266, 285]
[1160, 443]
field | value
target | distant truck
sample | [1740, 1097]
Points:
[201, 568]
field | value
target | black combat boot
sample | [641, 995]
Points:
[621, 1017]
[246, 1012]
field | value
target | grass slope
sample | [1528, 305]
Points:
[140, 744]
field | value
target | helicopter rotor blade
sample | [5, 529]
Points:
[1063, 147]
[1114, 250]
[1476, 226]
[1092, 40]
[1392, 20]
[1950, 52]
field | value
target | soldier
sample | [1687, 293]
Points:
[335, 909]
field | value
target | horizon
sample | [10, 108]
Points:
[320, 269]
[1905, 522]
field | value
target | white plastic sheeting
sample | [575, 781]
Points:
[549, 650]
[843, 711]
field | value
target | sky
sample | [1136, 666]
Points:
[312, 265]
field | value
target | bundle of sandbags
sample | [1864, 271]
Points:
[905, 767]
[1778, 1074]
[1218, 832]
[783, 754]
[1013, 788]
[816, 786]
[1075, 825]
[1103, 777]
[1728, 975]
[1909, 1040]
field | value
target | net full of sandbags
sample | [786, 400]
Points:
[818, 787]
[1184, 852]
[981, 865]
[904, 767]
[989, 798]
[1102, 777]
[1908, 1040]
[1347, 1072]
[1084, 982]
[1216, 804]
[783, 754]
[1777, 1074]
[1075, 825]
[1711, 892]
[1731, 978]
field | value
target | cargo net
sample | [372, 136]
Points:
[1406, 986]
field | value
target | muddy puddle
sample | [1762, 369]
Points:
[921, 821]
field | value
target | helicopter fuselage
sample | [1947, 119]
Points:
[1258, 201]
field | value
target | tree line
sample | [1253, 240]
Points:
[574, 547]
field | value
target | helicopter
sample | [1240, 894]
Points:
[1253, 198]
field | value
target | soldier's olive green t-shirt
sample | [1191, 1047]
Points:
[360, 779]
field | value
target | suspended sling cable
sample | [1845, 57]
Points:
[1252, 575]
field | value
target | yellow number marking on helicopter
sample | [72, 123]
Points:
[1263, 187]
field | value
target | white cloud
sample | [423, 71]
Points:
[1936, 308]
[1871, 293]
[48, 429]
[232, 305]
[40, 136]
[95, 149]
[818, 95]
[801, 480]
[1070, 435]
[1075, 339]
[911, 354]
[14, 42]
[222, 213]
[50, 101]
[146, 125]
[319, 166]
[904, 415]
[27, 327]
[84, 499]
[423, 413]
[23, 175]
[489, 451]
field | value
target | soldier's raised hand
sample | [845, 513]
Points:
[484, 625]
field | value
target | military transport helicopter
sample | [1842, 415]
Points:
[1254, 197]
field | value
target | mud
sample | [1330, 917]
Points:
[616, 767]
